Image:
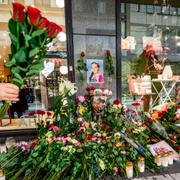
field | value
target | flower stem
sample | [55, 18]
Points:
[4, 108]
[17, 36]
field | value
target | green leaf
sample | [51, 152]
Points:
[24, 27]
[27, 37]
[17, 82]
[32, 72]
[22, 69]
[18, 76]
[20, 56]
[38, 66]
[13, 38]
[12, 26]
[15, 70]
[38, 32]
[33, 52]
[11, 63]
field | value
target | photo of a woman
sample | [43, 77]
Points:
[95, 71]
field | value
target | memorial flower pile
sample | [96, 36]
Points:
[30, 33]
[81, 142]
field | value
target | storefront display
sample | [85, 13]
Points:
[39, 90]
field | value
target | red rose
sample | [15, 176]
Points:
[178, 147]
[88, 89]
[49, 113]
[108, 52]
[82, 54]
[43, 23]
[173, 139]
[39, 112]
[143, 98]
[54, 29]
[136, 104]
[103, 126]
[149, 51]
[116, 102]
[18, 12]
[31, 113]
[33, 144]
[34, 15]
[92, 88]
[146, 123]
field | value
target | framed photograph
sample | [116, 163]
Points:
[95, 72]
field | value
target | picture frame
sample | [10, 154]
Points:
[95, 72]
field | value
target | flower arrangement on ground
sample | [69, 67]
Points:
[80, 143]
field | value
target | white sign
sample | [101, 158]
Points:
[49, 68]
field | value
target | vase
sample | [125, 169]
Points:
[167, 72]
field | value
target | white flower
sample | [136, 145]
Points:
[49, 136]
[101, 164]
[97, 134]
[67, 87]
[94, 125]
[69, 149]
[117, 135]
[80, 119]
[64, 100]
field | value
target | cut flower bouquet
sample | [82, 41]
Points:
[29, 32]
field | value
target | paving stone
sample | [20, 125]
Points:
[175, 176]
[159, 177]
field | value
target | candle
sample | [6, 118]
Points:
[165, 159]
[141, 164]
[129, 169]
[170, 157]
[158, 160]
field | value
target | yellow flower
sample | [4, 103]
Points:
[101, 164]
[118, 144]
[82, 110]
[87, 125]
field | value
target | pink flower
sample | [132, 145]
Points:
[149, 51]
[110, 93]
[24, 145]
[123, 152]
[55, 128]
[165, 108]
[81, 99]
[63, 139]
[116, 169]
[77, 143]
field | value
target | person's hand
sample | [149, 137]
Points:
[9, 92]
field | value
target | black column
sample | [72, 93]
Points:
[118, 49]
[69, 35]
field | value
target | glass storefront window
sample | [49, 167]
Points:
[40, 90]
[159, 25]
[94, 33]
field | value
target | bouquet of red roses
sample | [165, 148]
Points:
[30, 32]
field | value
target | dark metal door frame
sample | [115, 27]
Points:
[70, 45]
